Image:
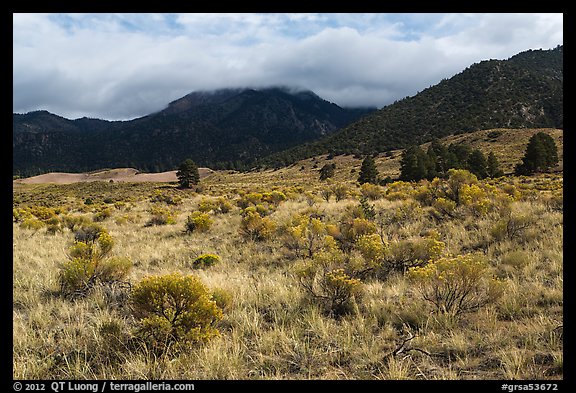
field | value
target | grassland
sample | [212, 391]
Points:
[272, 328]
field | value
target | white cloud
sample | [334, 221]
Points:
[118, 66]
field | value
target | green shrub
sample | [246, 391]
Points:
[206, 205]
[351, 230]
[456, 285]
[444, 207]
[160, 216]
[89, 264]
[333, 288]
[198, 222]
[223, 206]
[102, 215]
[205, 260]
[74, 222]
[222, 297]
[53, 225]
[456, 179]
[340, 191]
[409, 253]
[174, 309]
[88, 233]
[510, 227]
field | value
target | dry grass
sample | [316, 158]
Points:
[271, 329]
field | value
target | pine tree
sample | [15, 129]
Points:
[493, 168]
[415, 164]
[187, 174]
[541, 155]
[327, 171]
[477, 164]
[368, 171]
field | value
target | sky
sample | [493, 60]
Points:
[123, 66]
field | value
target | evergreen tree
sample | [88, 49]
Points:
[442, 159]
[458, 156]
[368, 171]
[327, 171]
[187, 174]
[493, 167]
[541, 155]
[477, 164]
[414, 165]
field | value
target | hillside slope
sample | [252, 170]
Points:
[525, 91]
[226, 128]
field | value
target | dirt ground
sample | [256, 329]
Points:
[117, 175]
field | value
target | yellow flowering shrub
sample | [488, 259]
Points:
[89, 264]
[205, 260]
[456, 285]
[174, 310]
[198, 222]
[305, 237]
[256, 227]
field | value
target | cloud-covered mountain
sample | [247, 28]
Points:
[227, 128]
[525, 91]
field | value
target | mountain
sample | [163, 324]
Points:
[227, 128]
[524, 91]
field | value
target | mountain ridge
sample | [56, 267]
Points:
[223, 128]
[244, 128]
[521, 92]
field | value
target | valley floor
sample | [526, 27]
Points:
[279, 247]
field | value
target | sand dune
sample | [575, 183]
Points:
[117, 175]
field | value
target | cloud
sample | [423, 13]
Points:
[121, 66]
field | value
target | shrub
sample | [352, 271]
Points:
[409, 253]
[253, 198]
[174, 309]
[274, 197]
[19, 215]
[326, 193]
[255, 227]
[206, 205]
[205, 260]
[340, 191]
[102, 215]
[75, 222]
[351, 230]
[198, 222]
[510, 227]
[332, 287]
[89, 264]
[373, 249]
[159, 197]
[475, 198]
[53, 225]
[31, 223]
[444, 207]
[306, 237]
[371, 191]
[42, 213]
[223, 206]
[222, 297]
[408, 211]
[456, 179]
[88, 233]
[456, 285]
[160, 216]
